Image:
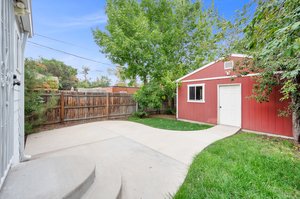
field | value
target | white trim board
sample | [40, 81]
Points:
[177, 101]
[240, 55]
[196, 122]
[267, 134]
[5, 173]
[220, 77]
[211, 63]
[203, 93]
[218, 102]
[197, 70]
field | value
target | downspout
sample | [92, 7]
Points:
[23, 157]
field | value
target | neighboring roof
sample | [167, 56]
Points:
[26, 20]
[209, 64]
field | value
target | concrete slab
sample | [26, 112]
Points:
[58, 177]
[180, 145]
[153, 162]
[63, 138]
[145, 173]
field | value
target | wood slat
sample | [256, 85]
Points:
[76, 106]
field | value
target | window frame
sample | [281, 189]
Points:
[203, 93]
[230, 67]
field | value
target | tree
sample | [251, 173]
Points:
[118, 72]
[272, 38]
[102, 81]
[149, 96]
[83, 84]
[51, 67]
[35, 107]
[160, 40]
[85, 72]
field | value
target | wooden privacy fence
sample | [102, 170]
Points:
[78, 106]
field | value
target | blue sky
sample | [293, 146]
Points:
[72, 21]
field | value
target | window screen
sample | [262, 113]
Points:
[192, 93]
[198, 92]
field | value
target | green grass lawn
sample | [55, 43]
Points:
[244, 166]
[169, 124]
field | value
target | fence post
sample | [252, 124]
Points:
[107, 104]
[62, 107]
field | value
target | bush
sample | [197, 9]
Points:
[35, 106]
[149, 96]
[140, 114]
[170, 111]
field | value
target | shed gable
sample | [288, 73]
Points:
[213, 69]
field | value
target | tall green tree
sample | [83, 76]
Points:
[85, 72]
[158, 41]
[51, 67]
[102, 81]
[272, 38]
[118, 72]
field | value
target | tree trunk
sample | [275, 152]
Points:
[170, 103]
[296, 117]
[145, 80]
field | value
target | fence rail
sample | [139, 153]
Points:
[76, 106]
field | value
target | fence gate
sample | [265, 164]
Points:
[6, 87]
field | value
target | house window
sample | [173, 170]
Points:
[196, 93]
[228, 65]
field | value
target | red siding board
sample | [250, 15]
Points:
[262, 117]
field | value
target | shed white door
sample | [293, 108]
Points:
[230, 105]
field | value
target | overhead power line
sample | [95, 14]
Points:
[61, 51]
[61, 41]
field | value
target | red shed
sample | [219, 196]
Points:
[213, 94]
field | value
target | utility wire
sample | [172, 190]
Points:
[61, 41]
[61, 51]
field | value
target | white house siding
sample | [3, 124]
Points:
[12, 42]
[17, 94]
[6, 135]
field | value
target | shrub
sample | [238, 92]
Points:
[170, 111]
[35, 106]
[149, 96]
[140, 114]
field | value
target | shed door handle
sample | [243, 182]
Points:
[220, 106]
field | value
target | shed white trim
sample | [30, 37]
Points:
[241, 55]
[221, 77]
[195, 100]
[177, 101]
[237, 105]
[195, 71]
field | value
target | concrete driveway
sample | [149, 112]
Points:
[152, 162]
